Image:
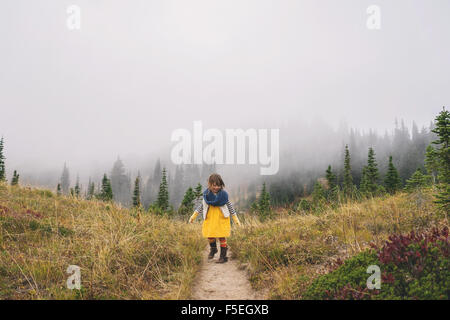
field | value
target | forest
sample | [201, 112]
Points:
[404, 148]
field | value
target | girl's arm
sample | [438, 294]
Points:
[233, 213]
[198, 210]
[192, 218]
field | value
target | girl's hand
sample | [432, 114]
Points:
[192, 218]
[236, 220]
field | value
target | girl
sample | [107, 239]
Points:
[216, 208]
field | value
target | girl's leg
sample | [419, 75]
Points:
[213, 247]
[223, 250]
[223, 242]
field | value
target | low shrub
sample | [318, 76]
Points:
[413, 266]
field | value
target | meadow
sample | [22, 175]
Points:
[122, 253]
[287, 252]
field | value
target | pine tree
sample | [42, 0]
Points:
[331, 178]
[58, 189]
[120, 183]
[348, 186]
[65, 180]
[163, 195]
[77, 189]
[264, 203]
[418, 180]
[198, 191]
[318, 195]
[136, 192]
[369, 182]
[333, 187]
[106, 193]
[432, 163]
[15, 179]
[392, 180]
[198, 194]
[187, 205]
[2, 162]
[151, 188]
[91, 190]
[442, 130]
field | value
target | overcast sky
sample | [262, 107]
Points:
[137, 70]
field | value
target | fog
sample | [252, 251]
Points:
[138, 70]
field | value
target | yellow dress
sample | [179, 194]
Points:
[216, 225]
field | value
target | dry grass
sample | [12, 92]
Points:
[123, 254]
[286, 253]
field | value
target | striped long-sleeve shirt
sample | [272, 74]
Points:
[230, 207]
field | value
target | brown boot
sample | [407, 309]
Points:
[223, 255]
[212, 250]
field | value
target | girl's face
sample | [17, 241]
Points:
[215, 188]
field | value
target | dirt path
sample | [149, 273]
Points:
[223, 281]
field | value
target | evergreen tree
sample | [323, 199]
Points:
[318, 195]
[15, 179]
[77, 189]
[369, 182]
[151, 187]
[65, 180]
[187, 205]
[198, 194]
[91, 190]
[432, 163]
[120, 183]
[2, 162]
[163, 195]
[392, 180]
[418, 180]
[331, 178]
[333, 188]
[348, 186]
[198, 191]
[136, 192]
[58, 189]
[442, 130]
[106, 193]
[264, 203]
[157, 171]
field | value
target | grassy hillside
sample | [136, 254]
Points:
[287, 253]
[122, 254]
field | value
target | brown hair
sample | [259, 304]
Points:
[216, 179]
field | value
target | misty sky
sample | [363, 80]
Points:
[137, 70]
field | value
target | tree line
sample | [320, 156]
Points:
[334, 189]
[407, 147]
[435, 170]
[185, 189]
[409, 162]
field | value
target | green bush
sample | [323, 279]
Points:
[304, 205]
[352, 272]
[414, 266]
